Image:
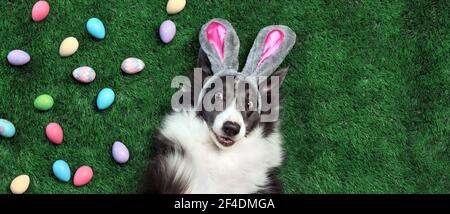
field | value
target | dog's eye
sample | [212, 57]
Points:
[250, 108]
[250, 104]
[218, 96]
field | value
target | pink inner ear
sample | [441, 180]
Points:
[216, 34]
[273, 42]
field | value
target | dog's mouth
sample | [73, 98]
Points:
[225, 141]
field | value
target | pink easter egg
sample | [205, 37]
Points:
[40, 11]
[82, 176]
[54, 133]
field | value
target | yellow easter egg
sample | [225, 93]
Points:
[20, 184]
[175, 6]
[68, 46]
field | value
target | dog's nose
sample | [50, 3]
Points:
[231, 128]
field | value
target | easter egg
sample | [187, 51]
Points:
[20, 184]
[175, 6]
[105, 98]
[96, 28]
[120, 152]
[54, 133]
[7, 129]
[40, 11]
[167, 31]
[68, 46]
[84, 74]
[18, 57]
[132, 65]
[61, 170]
[43, 102]
[82, 176]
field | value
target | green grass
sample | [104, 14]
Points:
[366, 103]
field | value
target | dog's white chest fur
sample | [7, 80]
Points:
[241, 168]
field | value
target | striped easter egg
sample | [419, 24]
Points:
[7, 129]
[84, 74]
[132, 65]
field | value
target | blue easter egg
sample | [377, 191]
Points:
[96, 28]
[61, 170]
[7, 129]
[105, 98]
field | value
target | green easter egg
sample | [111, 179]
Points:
[43, 102]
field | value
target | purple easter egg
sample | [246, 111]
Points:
[167, 31]
[18, 57]
[120, 152]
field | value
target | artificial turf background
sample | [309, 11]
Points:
[366, 106]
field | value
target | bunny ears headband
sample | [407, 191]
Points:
[220, 43]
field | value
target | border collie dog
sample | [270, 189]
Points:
[223, 138]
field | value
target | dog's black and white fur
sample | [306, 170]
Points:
[228, 151]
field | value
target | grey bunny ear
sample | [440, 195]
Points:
[271, 46]
[220, 44]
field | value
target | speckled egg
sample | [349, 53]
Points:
[132, 65]
[84, 74]
[7, 129]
